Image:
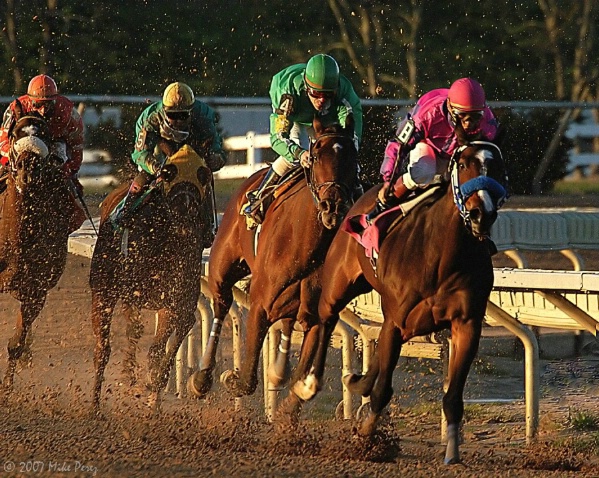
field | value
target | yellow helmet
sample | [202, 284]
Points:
[178, 97]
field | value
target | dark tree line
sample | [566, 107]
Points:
[528, 50]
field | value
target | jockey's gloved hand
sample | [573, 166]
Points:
[215, 161]
[383, 194]
[305, 159]
[154, 165]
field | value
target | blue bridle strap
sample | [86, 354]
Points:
[461, 192]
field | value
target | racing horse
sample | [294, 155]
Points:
[34, 227]
[150, 259]
[284, 256]
[433, 272]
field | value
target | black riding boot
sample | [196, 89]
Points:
[253, 210]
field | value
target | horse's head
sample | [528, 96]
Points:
[333, 172]
[479, 183]
[29, 153]
[187, 178]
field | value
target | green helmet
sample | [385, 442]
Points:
[322, 73]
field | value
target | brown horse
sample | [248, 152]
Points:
[153, 261]
[34, 228]
[434, 272]
[284, 255]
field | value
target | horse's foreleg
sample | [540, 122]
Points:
[280, 370]
[465, 337]
[102, 310]
[200, 382]
[134, 331]
[288, 411]
[30, 309]
[245, 381]
[389, 348]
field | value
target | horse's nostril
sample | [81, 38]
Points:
[475, 214]
[324, 206]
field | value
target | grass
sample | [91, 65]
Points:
[577, 186]
[582, 420]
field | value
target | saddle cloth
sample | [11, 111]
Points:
[370, 235]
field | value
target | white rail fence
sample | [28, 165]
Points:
[252, 144]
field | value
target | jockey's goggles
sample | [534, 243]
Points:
[327, 95]
[178, 115]
[471, 115]
[38, 104]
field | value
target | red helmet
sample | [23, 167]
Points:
[42, 87]
[466, 95]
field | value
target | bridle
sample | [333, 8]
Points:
[461, 192]
[190, 199]
[318, 189]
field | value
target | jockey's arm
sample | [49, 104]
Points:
[7, 123]
[210, 138]
[406, 136]
[280, 141]
[146, 155]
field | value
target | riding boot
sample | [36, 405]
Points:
[400, 191]
[253, 210]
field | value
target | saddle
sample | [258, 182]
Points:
[371, 235]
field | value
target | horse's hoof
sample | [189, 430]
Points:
[199, 383]
[306, 389]
[230, 379]
[366, 420]
[340, 411]
[286, 416]
[154, 403]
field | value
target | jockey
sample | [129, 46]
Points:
[426, 139]
[298, 93]
[179, 119]
[65, 127]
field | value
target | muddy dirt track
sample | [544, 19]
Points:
[46, 428]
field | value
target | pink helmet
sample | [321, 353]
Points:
[466, 94]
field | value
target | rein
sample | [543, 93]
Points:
[461, 192]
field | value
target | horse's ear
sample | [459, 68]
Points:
[317, 125]
[17, 113]
[18, 110]
[350, 124]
